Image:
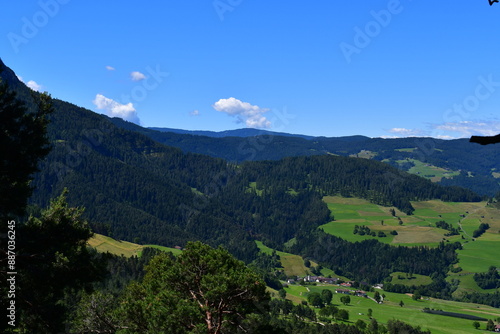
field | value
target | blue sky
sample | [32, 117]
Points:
[381, 68]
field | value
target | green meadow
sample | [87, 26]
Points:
[431, 172]
[293, 265]
[174, 251]
[419, 229]
[106, 244]
[415, 279]
[410, 312]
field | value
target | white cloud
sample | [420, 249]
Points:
[470, 128]
[137, 76]
[110, 68]
[33, 85]
[244, 112]
[115, 109]
[446, 137]
[451, 130]
[195, 113]
[405, 132]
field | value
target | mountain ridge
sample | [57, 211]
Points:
[473, 165]
[243, 132]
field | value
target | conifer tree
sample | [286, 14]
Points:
[204, 290]
[23, 143]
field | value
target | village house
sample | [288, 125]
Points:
[344, 291]
[327, 280]
[320, 279]
[360, 293]
[497, 328]
[310, 279]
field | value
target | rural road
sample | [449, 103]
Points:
[460, 225]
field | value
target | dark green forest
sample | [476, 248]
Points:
[458, 155]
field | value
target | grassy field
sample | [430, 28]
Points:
[174, 251]
[406, 149]
[411, 312]
[106, 244]
[401, 278]
[419, 229]
[431, 172]
[365, 154]
[293, 265]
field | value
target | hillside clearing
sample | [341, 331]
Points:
[419, 229]
[105, 244]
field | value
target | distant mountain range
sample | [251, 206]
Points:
[450, 162]
[231, 133]
[248, 132]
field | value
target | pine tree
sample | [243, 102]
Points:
[204, 289]
[53, 259]
[23, 143]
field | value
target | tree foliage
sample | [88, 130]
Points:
[53, 259]
[326, 296]
[357, 260]
[23, 143]
[314, 298]
[489, 279]
[345, 300]
[203, 289]
[483, 227]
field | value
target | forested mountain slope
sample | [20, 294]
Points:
[476, 166]
[135, 188]
[131, 186]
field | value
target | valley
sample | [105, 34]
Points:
[416, 230]
[331, 207]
